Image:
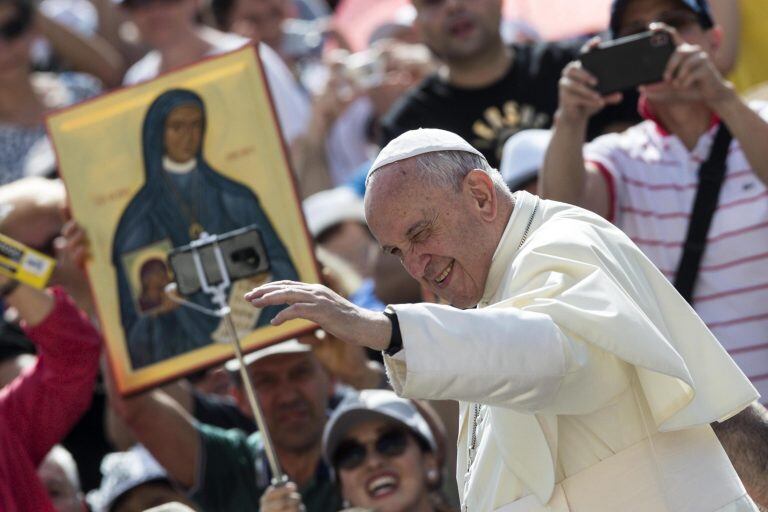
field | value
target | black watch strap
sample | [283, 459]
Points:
[396, 338]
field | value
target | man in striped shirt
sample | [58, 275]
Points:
[645, 179]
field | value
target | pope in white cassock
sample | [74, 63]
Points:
[585, 382]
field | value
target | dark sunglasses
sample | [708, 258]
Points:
[351, 454]
[678, 19]
[137, 4]
[16, 26]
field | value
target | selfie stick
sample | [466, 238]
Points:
[218, 294]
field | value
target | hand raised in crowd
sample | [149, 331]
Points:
[690, 74]
[339, 92]
[285, 498]
[578, 99]
[405, 65]
[320, 304]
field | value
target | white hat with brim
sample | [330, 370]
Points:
[328, 208]
[292, 346]
[371, 404]
[418, 142]
[122, 472]
[523, 157]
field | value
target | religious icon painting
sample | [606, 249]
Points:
[161, 165]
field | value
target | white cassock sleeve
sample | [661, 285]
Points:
[500, 356]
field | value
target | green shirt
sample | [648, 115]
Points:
[234, 473]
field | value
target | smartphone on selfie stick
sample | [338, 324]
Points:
[210, 264]
[242, 250]
[628, 62]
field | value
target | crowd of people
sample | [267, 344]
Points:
[343, 437]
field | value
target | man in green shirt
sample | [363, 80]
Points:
[294, 392]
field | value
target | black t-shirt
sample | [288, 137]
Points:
[525, 97]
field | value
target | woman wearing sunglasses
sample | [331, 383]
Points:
[383, 453]
[384, 456]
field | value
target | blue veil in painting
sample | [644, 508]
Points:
[163, 211]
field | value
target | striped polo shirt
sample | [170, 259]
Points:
[652, 179]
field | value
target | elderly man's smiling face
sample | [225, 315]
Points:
[444, 238]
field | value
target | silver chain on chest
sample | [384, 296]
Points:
[476, 406]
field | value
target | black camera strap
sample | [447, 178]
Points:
[711, 177]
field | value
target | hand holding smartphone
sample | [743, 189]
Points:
[628, 62]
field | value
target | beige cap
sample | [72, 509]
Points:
[292, 346]
[418, 142]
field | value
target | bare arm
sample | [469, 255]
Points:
[120, 434]
[564, 176]
[745, 439]
[749, 129]
[111, 22]
[91, 55]
[308, 153]
[164, 428]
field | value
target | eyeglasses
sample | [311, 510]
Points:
[678, 19]
[16, 26]
[351, 454]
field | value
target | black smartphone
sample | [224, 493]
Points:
[243, 253]
[625, 63]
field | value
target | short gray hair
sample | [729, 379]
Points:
[448, 168]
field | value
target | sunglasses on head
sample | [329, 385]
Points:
[16, 26]
[678, 19]
[351, 454]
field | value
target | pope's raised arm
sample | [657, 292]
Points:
[326, 308]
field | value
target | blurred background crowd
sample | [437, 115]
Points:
[346, 77]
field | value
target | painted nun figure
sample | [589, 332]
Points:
[182, 196]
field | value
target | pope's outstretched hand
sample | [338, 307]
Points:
[328, 309]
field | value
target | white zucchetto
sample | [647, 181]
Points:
[417, 142]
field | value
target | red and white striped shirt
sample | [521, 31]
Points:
[652, 180]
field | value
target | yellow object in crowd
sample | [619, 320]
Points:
[751, 67]
[26, 265]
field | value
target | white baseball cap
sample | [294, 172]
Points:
[330, 207]
[418, 142]
[373, 404]
[123, 471]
